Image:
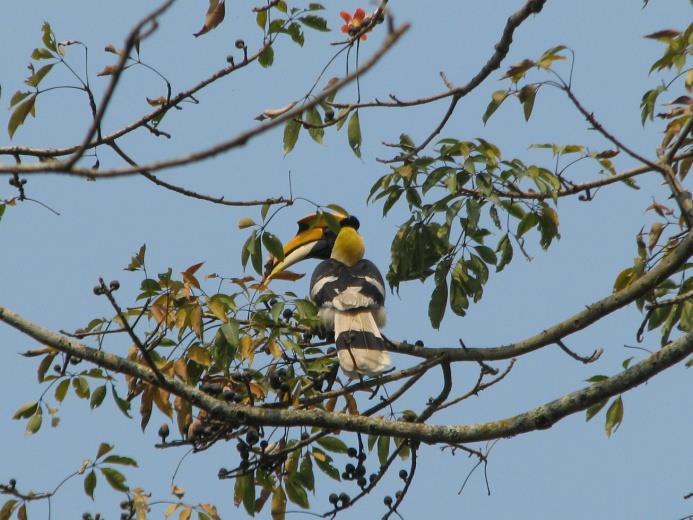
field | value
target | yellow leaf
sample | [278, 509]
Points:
[185, 514]
[217, 308]
[211, 511]
[245, 222]
[274, 349]
[171, 509]
[199, 355]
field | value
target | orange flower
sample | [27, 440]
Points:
[354, 23]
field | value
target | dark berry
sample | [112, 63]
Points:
[240, 44]
[362, 456]
[387, 501]
[333, 498]
[13, 483]
[163, 432]
[344, 499]
[403, 474]
[346, 476]
[114, 285]
[275, 382]
[97, 290]
[398, 495]
[362, 482]
[349, 468]
[263, 445]
[287, 314]
[352, 452]
[252, 436]
[360, 471]
[419, 343]
[372, 477]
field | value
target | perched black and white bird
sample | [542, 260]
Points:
[348, 290]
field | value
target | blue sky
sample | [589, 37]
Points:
[49, 264]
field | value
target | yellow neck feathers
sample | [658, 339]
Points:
[349, 247]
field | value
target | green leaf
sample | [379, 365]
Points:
[61, 390]
[119, 459]
[324, 462]
[137, 261]
[261, 18]
[123, 405]
[97, 397]
[2, 210]
[594, 409]
[81, 386]
[90, 484]
[528, 222]
[19, 115]
[354, 133]
[305, 473]
[436, 307]
[614, 416]
[249, 494]
[266, 57]
[497, 99]
[34, 423]
[41, 54]
[26, 410]
[256, 257]
[505, 248]
[383, 449]
[48, 37]
[296, 493]
[37, 77]
[486, 254]
[231, 331]
[291, 132]
[647, 104]
[18, 96]
[115, 478]
[333, 444]
[526, 97]
[315, 22]
[104, 448]
[313, 118]
[273, 245]
[596, 379]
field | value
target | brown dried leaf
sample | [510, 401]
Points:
[215, 15]
[108, 70]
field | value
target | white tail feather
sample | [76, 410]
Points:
[356, 359]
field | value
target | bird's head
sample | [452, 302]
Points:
[315, 238]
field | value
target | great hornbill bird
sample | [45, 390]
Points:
[348, 290]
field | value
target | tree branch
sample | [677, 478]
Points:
[597, 310]
[541, 417]
[240, 140]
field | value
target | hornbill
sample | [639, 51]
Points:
[348, 290]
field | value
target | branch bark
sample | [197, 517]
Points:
[597, 310]
[541, 417]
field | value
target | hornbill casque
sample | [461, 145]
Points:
[348, 290]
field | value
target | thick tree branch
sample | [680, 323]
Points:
[541, 417]
[594, 312]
